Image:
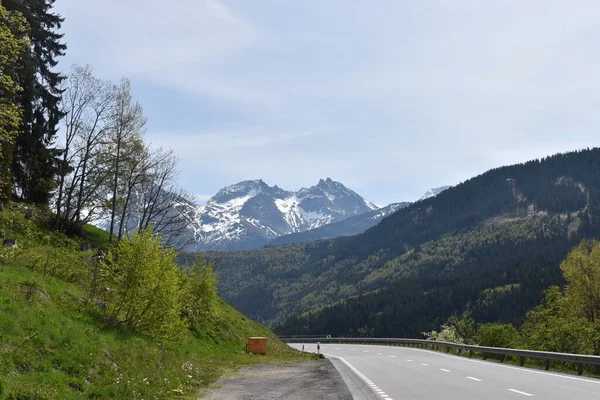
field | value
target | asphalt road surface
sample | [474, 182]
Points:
[395, 373]
[308, 380]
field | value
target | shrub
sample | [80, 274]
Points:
[60, 262]
[498, 335]
[200, 294]
[144, 287]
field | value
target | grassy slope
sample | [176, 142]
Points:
[53, 346]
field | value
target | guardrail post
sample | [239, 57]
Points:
[502, 358]
[459, 350]
[484, 356]
[579, 369]
[470, 353]
[547, 366]
[447, 349]
[522, 361]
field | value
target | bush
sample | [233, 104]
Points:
[200, 294]
[144, 287]
[455, 330]
[498, 335]
[60, 262]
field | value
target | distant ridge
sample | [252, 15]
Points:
[251, 213]
[433, 192]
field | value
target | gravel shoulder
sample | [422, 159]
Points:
[307, 380]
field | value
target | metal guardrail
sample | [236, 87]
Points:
[547, 356]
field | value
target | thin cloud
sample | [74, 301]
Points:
[420, 94]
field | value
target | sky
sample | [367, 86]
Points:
[389, 97]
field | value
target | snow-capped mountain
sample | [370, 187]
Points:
[251, 213]
[433, 192]
[347, 227]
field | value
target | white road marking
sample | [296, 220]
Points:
[365, 351]
[425, 365]
[379, 354]
[409, 360]
[361, 375]
[518, 391]
[491, 364]
[444, 369]
[473, 379]
[496, 365]
[393, 356]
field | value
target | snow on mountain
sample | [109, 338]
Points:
[433, 192]
[251, 213]
[346, 227]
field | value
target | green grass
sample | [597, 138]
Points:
[55, 346]
[96, 234]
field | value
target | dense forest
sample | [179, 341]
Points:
[492, 244]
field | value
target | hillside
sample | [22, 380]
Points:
[513, 224]
[54, 344]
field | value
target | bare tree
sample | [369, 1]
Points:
[152, 199]
[86, 103]
[165, 207]
[128, 124]
[108, 171]
[136, 170]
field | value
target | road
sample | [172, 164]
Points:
[395, 373]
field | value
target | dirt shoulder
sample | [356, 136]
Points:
[306, 380]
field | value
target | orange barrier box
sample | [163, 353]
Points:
[257, 345]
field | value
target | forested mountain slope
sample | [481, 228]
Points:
[511, 224]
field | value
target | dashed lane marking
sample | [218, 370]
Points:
[519, 392]
[409, 360]
[496, 365]
[425, 365]
[363, 377]
[393, 356]
[444, 369]
[473, 379]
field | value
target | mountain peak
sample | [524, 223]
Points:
[250, 213]
[325, 182]
[240, 189]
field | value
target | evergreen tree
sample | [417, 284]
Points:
[13, 44]
[34, 163]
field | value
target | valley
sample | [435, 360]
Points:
[491, 244]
